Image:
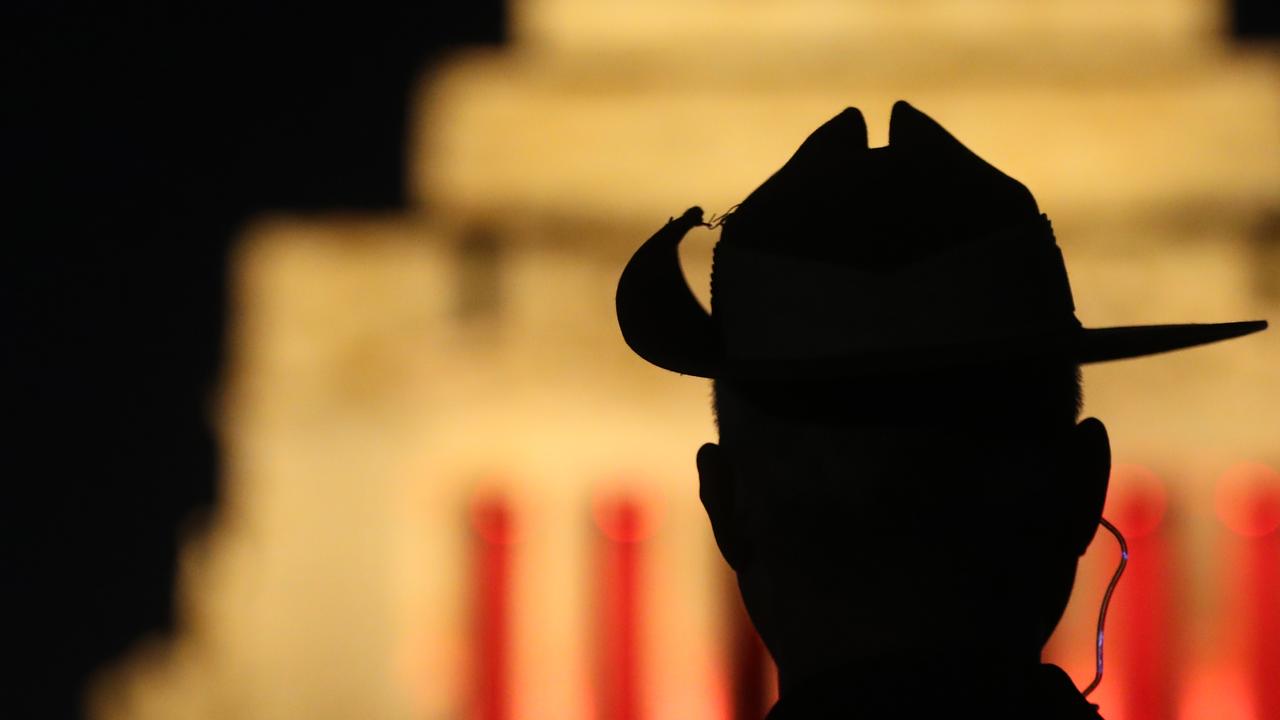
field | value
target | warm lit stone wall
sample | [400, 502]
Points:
[388, 371]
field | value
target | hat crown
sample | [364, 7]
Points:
[852, 260]
[881, 208]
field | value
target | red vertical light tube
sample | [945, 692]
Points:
[491, 681]
[1247, 500]
[1263, 566]
[623, 528]
[1143, 666]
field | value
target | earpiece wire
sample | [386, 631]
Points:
[1106, 601]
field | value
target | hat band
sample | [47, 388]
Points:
[1012, 284]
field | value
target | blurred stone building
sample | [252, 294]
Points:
[390, 372]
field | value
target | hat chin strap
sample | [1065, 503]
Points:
[660, 317]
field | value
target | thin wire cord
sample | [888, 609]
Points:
[718, 220]
[1106, 600]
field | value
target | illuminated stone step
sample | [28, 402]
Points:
[497, 140]
[579, 25]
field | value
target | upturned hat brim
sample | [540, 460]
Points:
[664, 323]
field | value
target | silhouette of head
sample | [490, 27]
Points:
[922, 511]
[895, 357]
[936, 513]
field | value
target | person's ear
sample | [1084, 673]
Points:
[715, 490]
[1089, 471]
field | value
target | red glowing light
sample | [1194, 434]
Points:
[623, 524]
[1247, 499]
[624, 521]
[1136, 500]
[491, 607]
[492, 521]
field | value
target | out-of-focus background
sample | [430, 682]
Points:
[448, 490]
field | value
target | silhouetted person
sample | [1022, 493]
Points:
[902, 484]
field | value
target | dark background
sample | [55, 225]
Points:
[136, 142]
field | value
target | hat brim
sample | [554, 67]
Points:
[665, 324]
[1119, 343]
[1079, 346]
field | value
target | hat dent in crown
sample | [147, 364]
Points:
[852, 260]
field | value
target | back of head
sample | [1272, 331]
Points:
[901, 514]
[877, 500]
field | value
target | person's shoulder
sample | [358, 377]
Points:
[1056, 697]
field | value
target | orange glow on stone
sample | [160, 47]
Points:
[1247, 499]
[1136, 500]
[1215, 692]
